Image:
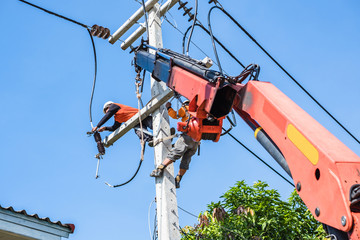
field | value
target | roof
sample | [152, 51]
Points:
[70, 226]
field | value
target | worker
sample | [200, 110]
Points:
[185, 147]
[122, 113]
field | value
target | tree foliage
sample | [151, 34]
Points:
[257, 213]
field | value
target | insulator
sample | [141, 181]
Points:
[191, 17]
[97, 137]
[182, 4]
[187, 10]
[94, 30]
[99, 31]
[101, 148]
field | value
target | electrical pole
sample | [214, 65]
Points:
[167, 211]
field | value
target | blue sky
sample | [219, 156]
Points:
[46, 70]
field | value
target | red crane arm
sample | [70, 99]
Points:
[322, 167]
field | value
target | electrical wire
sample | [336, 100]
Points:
[88, 28]
[175, 27]
[151, 237]
[216, 40]
[255, 155]
[155, 233]
[138, 81]
[124, 183]
[192, 27]
[212, 40]
[146, 19]
[94, 81]
[187, 212]
[227, 131]
[281, 67]
[227, 229]
[55, 14]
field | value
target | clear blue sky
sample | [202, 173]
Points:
[46, 70]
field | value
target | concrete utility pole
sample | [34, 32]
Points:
[167, 211]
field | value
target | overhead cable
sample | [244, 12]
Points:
[94, 81]
[55, 14]
[95, 30]
[192, 27]
[146, 19]
[216, 40]
[187, 212]
[151, 237]
[213, 42]
[255, 155]
[281, 67]
[124, 183]
[227, 229]
[227, 131]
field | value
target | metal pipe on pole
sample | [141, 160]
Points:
[131, 21]
[141, 30]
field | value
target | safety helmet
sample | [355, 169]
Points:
[186, 102]
[106, 105]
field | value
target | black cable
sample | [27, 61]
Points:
[217, 41]
[122, 184]
[58, 15]
[254, 154]
[282, 68]
[94, 82]
[227, 131]
[212, 40]
[192, 27]
[187, 212]
[146, 19]
[92, 42]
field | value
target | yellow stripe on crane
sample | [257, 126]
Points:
[300, 141]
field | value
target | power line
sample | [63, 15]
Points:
[255, 155]
[216, 40]
[184, 37]
[187, 212]
[212, 40]
[55, 14]
[151, 236]
[282, 68]
[94, 81]
[210, 33]
[192, 27]
[96, 31]
[227, 229]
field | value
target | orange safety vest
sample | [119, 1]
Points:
[124, 113]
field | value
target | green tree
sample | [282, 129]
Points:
[257, 213]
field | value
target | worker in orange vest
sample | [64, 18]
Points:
[185, 147]
[122, 113]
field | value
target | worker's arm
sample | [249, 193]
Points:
[172, 113]
[111, 112]
[113, 127]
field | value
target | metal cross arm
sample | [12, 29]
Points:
[131, 21]
[141, 30]
[153, 105]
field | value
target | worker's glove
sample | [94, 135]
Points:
[102, 129]
[168, 105]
